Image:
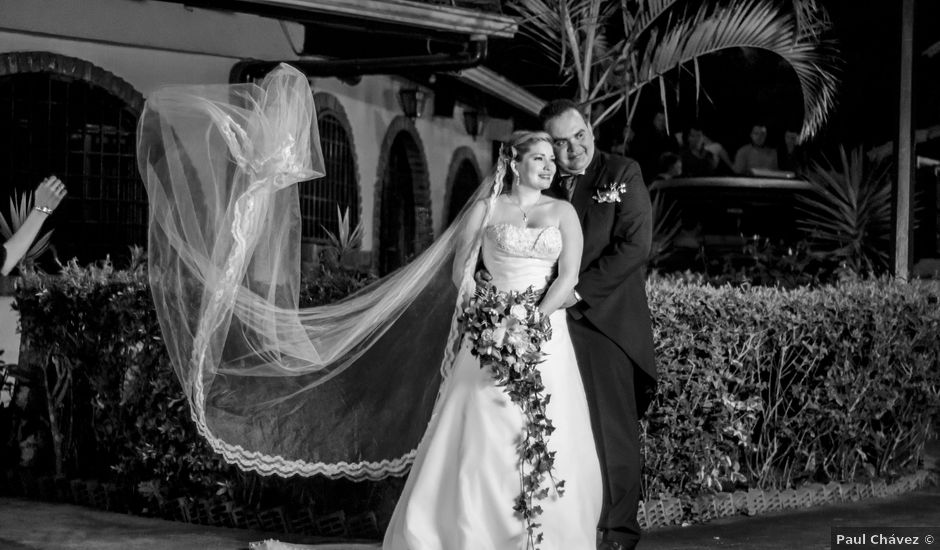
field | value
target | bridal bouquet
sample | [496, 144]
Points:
[505, 331]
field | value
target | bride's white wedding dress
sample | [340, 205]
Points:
[465, 478]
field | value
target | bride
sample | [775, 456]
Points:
[465, 478]
[376, 384]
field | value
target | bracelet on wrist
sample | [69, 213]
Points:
[44, 209]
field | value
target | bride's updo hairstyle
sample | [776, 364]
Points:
[518, 144]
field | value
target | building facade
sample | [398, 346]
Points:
[74, 75]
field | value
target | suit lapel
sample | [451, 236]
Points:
[587, 184]
[554, 190]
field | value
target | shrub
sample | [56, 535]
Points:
[119, 413]
[771, 388]
[848, 215]
[110, 390]
[759, 387]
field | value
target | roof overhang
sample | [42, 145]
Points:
[402, 13]
[498, 86]
[388, 18]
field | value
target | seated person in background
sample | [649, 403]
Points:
[697, 160]
[670, 166]
[792, 155]
[651, 142]
[725, 166]
[755, 155]
[624, 147]
[47, 197]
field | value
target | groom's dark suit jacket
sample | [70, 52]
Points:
[617, 238]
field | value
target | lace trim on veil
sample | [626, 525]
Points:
[217, 263]
[266, 464]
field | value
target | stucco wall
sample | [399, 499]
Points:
[9, 339]
[152, 44]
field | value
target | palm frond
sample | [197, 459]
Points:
[19, 214]
[5, 230]
[346, 238]
[666, 226]
[758, 24]
[848, 217]
[811, 19]
[543, 22]
[648, 13]
[570, 33]
[39, 246]
[20, 208]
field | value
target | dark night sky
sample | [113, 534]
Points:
[869, 37]
[748, 85]
[743, 86]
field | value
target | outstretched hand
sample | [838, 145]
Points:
[49, 193]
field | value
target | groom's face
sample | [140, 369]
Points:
[572, 140]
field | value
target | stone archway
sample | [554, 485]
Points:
[463, 178]
[72, 67]
[402, 198]
[319, 198]
[78, 121]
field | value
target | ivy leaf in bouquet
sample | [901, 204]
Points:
[506, 330]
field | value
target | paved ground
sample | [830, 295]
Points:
[806, 529]
[39, 525]
[34, 525]
[47, 526]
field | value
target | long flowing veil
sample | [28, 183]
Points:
[344, 389]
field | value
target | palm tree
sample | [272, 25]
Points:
[663, 36]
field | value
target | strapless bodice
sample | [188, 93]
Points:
[518, 257]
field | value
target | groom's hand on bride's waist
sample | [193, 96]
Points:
[482, 278]
[572, 300]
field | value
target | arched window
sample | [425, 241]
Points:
[402, 227]
[59, 124]
[398, 238]
[320, 197]
[465, 182]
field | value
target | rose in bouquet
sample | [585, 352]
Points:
[505, 330]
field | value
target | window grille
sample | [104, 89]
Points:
[398, 226]
[465, 183]
[320, 197]
[53, 124]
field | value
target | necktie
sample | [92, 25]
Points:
[568, 182]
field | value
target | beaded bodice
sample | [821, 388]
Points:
[518, 257]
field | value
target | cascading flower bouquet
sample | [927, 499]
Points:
[505, 330]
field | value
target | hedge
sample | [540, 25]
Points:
[770, 388]
[760, 388]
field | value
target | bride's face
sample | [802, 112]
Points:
[536, 168]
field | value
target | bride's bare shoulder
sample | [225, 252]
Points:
[478, 205]
[558, 205]
[477, 210]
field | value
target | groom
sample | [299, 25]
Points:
[608, 315]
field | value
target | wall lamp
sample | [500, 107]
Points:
[412, 101]
[473, 122]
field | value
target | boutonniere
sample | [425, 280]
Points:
[610, 192]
